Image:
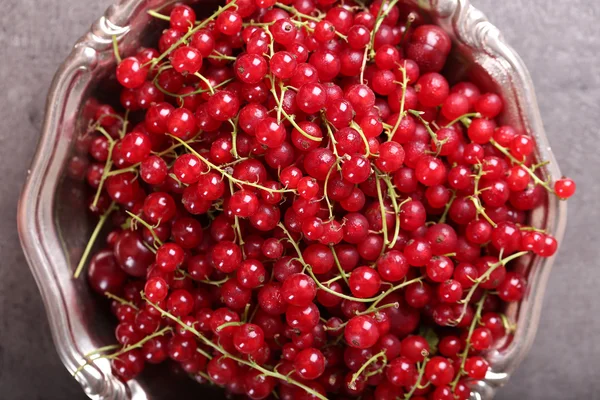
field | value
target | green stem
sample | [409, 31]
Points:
[209, 343]
[438, 144]
[90, 243]
[408, 395]
[158, 15]
[468, 115]
[531, 173]
[362, 369]
[121, 300]
[447, 208]
[404, 85]
[339, 266]
[192, 31]
[226, 174]
[465, 353]
[116, 49]
[481, 279]
[148, 226]
[381, 14]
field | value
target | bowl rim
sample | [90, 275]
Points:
[40, 240]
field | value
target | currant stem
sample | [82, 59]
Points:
[148, 226]
[102, 350]
[393, 197]
[357, 127]
[370, 361]
[531, 173]
[438, 144]
[228, 324]
[116, 49]
[293, 243]
[468, 115]
[192, 31]
[227, 175]
[382, 296]
[475, 198]
[401, 114]
[208, 84]
[329, 205]
[381, 14]
[339, 266]
[296, 12]
[408, 395]
[229, 355]
[93, 237]
[107, 166]
[409, 20]
[383, 214]
[447, 208]
[376, 309]
[482, 278]
[158, 15]
[123, 350]
[288, 117]
[465, 353]
[121, 300]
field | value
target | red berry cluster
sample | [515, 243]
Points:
[303, 207]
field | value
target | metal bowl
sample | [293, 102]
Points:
[54, 227]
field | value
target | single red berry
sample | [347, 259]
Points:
[131, 73]
[565, 188]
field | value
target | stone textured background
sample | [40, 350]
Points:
[558, 40]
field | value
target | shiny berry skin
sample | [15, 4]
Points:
[489, 105]
[104, 274]
[131, 73]
[186, 60]
[226, 256]
[309, 364]
[476, 367]
[311, 97]
[512, 287]
[432, 89]
[187, 232]
[270, 133]
[481, 130]
[361, 332]
[181, 123]
[430, 171]
[248, 338]
[221, 370]
[439, 371]
[356, 169]
[302, 318]
[481, 339]
[251, 68]
[180, 303]
[391, 157]
[283, 64]
[564, 188]
[299, 290]
[401, 371]
[153, 170]
[415, 348]
[429, 46]
[223, 105]
[364, 282]
[243, 203]
[159, 207]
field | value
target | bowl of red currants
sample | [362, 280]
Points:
[293, 199]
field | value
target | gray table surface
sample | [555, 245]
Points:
[558, 39]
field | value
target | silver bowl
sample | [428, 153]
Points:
[54, 227]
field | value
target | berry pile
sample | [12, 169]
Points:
[303, 207]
